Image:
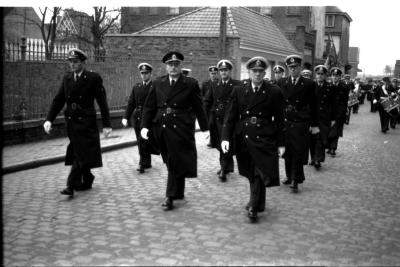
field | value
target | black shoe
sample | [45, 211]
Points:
[219, 172]
[317, 165]
[140, 169]
[178, 197]
[67, 191]
[311, 163]
[333, 153]
[328, 152]
[287, 182]
[168, 204]
[259, 209]
[209, 145]
[84, 187]
[146, 166]
[252, 214]
[222, 176]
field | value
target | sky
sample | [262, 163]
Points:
[374, 29]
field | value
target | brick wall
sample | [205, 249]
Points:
[199, 52]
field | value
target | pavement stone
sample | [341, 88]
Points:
[345, 214]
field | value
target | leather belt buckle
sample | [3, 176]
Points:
[253, 120]
[169, 110]
[73, 106]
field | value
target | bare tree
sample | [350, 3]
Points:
[388, 70]
[103, 22]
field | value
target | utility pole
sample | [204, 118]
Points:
[222, 33]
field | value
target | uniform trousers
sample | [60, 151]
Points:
[257, 190]
[393, 118]
[294, 167]
[225, 159]
[144, 155]
[317, 150]
[175, 186]
[79, 176]
[384, 119]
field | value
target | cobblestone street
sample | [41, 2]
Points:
[347, 213]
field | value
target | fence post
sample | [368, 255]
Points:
[23, 48]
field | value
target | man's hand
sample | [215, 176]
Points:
[225, 146]
[124, 122]
[281, 151]
[106, 132]
[144, 133]
[374, 101]
[47, 127]
[314, 130]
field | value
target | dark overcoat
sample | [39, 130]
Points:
[135, 109]
[326, 96]
[215, 104]
[301, 112]
[80, 116]
[342, 97]
[171, 113]
[256, 122]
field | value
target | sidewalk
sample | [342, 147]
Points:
[35, 154]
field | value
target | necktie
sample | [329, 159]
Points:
[76, 76]
[293, 80]
[172, 83]
[255, 89]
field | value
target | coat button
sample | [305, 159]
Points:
[69, 118]
[174, 115]
[246, 124]
[163, 114]
[246, 136]
[259, 113]
[163, 125]
[258, 137]
[174, 126]
[80, 96]
[258, 125]
[247, 112]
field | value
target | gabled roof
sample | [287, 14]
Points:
[336, 10]
[255, 31]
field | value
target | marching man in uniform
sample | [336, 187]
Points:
[78, 91]
[301, 116]
[279, 72]
[254, 119]
[135, 106]
[169, 111]
[215, 104]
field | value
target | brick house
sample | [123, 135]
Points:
[197, 35]
[337, 28]
[354, 60]
[20, 21]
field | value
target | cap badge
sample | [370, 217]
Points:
[174, 57]
[258, 63]
[292, 60]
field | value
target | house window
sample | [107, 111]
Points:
[330, 21]
[294, 10]
[153, 10]
[173, 11]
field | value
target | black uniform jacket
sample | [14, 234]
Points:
[215, 103]
[257, 124]
[171, 112]
[342, 97]
[301, 112]
[136, 102]
[80, 115]
[380, 94]
[326, 97]
[207, 86]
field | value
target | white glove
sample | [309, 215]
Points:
[281, 151]
[144, 132]
[124, 122]
[47, 127]
[314, 130]
[225, 146]
[106, 132]
[374, 101]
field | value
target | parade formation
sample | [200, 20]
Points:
[256, 121]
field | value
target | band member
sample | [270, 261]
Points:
[254, 119]
[358, 91]
[350, 87]
[363, 92]
[207, 86]
[301, 115]
[370, 89]
[341, 108]
[279, 72]
[383, 93]
[326, 101]
[396, 87]
[186, 72]
[306, 74]
[169, 111]
[78, 90]
[215, 104]
[135, 106]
